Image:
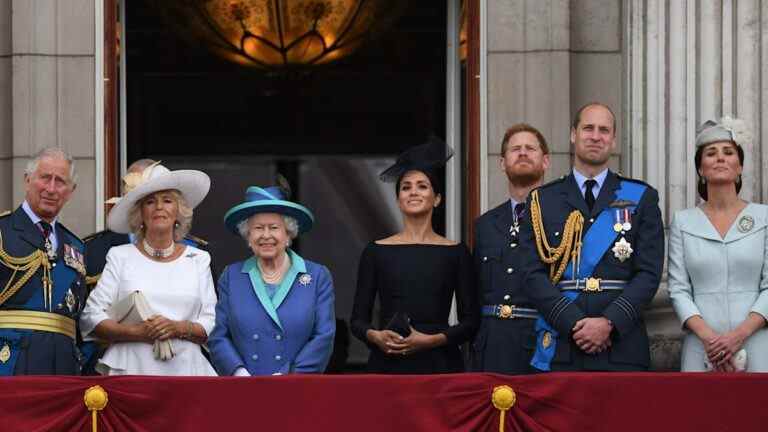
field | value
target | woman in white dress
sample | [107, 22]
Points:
[718, 261]
[174, 278]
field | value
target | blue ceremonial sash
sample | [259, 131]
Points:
[595, 243]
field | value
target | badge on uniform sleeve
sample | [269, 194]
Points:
[622, 250]
[305, 279]
[546, 340]
[73, 258]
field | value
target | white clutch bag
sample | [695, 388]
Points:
[135, 309]
[738, 361]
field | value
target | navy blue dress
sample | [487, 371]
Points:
[419, 280]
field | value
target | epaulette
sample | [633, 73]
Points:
[94, 236]
[196, 239]
[5, 213]
[630, 179]
[553, 182]
[73, 235]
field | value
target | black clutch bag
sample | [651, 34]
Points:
[400, 324]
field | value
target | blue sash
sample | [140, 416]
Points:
[596, 242]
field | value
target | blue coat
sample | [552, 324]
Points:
[292, 333]
[34, 352]
[720, 279]
[501, 345]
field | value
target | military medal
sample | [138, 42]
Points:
[622, 250]
[5, 353]
[49, 250]
[746, 223]
[70, 300]
[622, 220]
[74, 258]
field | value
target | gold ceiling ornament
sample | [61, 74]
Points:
[275, 34]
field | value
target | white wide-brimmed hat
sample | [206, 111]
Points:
[192, 184]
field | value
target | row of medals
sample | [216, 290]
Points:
[622, 249]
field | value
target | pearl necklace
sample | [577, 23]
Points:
[275, 276]
[158, 253]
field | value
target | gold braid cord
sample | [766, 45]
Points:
[29, 265]
[569, 248]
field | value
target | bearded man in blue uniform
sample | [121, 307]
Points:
[506, 339]
[594, 252]
[42, 270]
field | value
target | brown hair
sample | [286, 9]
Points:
[523, 127]
[701, 185]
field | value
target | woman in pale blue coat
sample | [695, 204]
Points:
[718, 256]
[275, 313]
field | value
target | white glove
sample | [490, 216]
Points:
[241, 372]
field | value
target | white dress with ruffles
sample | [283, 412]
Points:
[179, 290]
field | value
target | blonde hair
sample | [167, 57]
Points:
[183, 217]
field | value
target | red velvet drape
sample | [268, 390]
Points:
[370, 403]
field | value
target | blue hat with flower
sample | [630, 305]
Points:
[268, 200]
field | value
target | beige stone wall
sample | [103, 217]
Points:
[545, 59]
[47, 96]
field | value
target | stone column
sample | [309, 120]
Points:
[6, 106]
[47, 86]
[529, 72]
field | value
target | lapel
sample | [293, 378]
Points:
[702, 227]
[270, 305]
[503, 217]
[27, 230]
[607, 193]
[572, 194]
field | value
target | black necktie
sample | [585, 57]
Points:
[45, 227]
[589, 197]
[519, 209]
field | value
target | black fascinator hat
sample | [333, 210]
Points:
[427, 158]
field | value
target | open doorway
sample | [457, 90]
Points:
[329, 130]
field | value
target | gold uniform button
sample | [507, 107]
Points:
[485, 258]
[510, 270]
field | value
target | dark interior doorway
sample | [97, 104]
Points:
[329, 130]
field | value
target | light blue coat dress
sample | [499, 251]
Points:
[292, 332]
[722, 280]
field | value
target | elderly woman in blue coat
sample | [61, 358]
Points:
[275, 313]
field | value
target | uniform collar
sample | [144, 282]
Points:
[581, 178]
[34, 217]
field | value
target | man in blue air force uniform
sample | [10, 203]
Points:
[594, 251]
[506, 339]
[42, 269]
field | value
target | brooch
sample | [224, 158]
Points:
[305, 279]
[622, 250]
[746, 223]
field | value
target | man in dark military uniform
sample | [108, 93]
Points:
[42, 269]
[98, 244]
[505, 341]
[594, 251]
